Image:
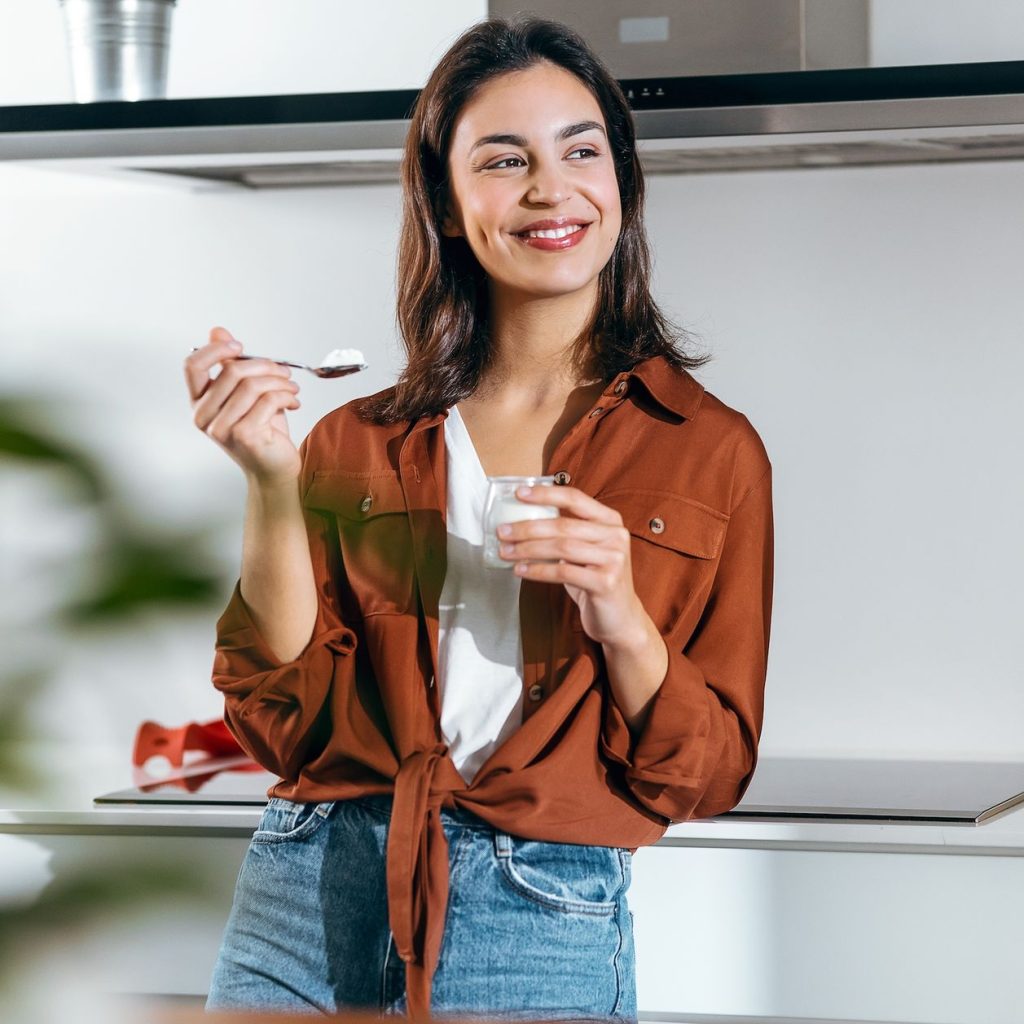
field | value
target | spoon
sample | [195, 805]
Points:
[318, 371]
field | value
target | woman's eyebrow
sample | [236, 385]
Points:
[517, 140]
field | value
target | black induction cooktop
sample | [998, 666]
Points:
[827, 789]
[214, 780]
[848, 789]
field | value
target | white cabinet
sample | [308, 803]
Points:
[759, 921]
[837, 935]
[251, 47]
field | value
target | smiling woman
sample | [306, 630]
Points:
[558, 165]
[521, 130]
[470, 758]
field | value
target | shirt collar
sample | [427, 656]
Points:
[674, 389]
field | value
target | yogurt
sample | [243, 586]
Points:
[512, 510]
[507, 508]
[342, 357]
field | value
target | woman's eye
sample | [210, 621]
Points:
[497, 165]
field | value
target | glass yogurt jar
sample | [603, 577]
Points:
[502, 506]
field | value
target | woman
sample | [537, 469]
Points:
[469, 758]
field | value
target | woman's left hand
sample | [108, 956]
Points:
[593, 551]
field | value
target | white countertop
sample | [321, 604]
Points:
[73, 776]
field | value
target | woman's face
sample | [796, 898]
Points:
[538, 171]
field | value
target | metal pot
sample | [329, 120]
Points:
[118, 48]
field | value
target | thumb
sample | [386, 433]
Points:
[220, 334]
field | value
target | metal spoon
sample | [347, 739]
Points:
[318, 371]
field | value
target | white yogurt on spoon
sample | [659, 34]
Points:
[342, 357]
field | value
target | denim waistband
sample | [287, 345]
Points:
[457, 816]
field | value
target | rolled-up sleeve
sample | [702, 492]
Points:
[696, 752]
[278, 711]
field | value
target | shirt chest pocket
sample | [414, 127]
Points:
[675, 546]
[374, 536]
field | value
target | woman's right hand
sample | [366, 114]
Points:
[243, 409]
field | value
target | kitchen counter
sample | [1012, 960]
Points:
[75, 775]
[771, 919]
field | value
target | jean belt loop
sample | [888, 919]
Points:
[502, 843]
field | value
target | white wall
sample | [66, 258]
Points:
[945, 31]
[867, 320]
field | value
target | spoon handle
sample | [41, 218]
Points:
[280, 362]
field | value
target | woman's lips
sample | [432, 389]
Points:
[554, 244]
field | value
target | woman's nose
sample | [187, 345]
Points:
[548, 185]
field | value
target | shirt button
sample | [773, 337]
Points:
[364, 506]
[536, 691]
[620, 387]
[657, 525]
[562, 477]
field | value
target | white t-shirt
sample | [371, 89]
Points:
[480, 655]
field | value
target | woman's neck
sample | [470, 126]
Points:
[531, 349]
[529, 385]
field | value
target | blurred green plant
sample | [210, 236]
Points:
[138, 566]
[134, 568]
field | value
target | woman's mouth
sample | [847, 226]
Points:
[554, 240]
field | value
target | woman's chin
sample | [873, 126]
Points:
[549, 285]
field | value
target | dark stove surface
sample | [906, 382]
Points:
[217, 781]
[964, 792]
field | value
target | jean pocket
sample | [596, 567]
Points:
[287, 820]
[563, 876]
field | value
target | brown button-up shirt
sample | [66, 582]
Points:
[357, 712]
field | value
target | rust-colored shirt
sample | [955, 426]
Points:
[357, 712]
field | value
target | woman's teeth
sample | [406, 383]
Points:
[554, 233]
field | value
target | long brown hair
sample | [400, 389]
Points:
[440, 286]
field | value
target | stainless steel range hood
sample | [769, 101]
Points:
[768, 84]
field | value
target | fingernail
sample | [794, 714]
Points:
[236, 345]
[504, 530]
[524, 490]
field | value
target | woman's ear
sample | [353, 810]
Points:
[443, 207]
[449, 226]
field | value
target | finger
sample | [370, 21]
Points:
[234, 402]
[199, 363]
[211, 412]
[583, 529]
[572, 500]
[263, 414]
[255, 419]
[575, 551]
[590, 580]
[236, 372]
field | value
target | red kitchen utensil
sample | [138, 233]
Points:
[213, 737]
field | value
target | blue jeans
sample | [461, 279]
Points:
[533, 929]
